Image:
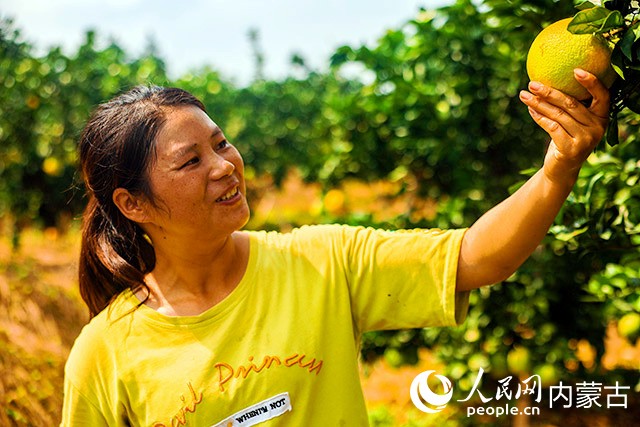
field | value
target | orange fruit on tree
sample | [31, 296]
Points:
[52, 166]
[519, 360]
[556, 52]
[549, 374]
[629, 326]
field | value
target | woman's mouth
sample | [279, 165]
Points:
[235, 191]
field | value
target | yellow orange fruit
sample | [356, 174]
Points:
[549, 374]
[629, 326]
[52, 166]
[519, 360]
[556, 52]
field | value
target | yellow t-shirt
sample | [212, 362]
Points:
[281, 349]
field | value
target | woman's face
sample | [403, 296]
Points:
[197, 179]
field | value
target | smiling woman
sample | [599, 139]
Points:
[197, 179]
[198, 322]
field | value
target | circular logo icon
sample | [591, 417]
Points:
[420, 392]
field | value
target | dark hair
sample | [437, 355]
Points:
[115, 150]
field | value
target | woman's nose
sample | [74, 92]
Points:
[221, 168]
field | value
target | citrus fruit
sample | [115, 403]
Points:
[629, 326]
[556, 52]
[519, 360]
[549, 374]
[478, 361]
[457, 369]
[52, 166]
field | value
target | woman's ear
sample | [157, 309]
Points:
[130, 206]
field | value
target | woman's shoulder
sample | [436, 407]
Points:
[316, 234]
[99, 337]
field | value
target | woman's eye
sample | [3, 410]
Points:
[190, 162]
[222, 144]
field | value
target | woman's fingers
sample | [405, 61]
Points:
[555, 109]
[574, 117]
[600, 103]
[553, 128]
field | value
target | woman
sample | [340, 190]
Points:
[195, 322]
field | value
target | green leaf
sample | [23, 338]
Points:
[627, 42]
[565, 236]
[615, 20]
[611, 136]
[585, 5]
[588, 21]
[592, 182]
[622, 196]
[595, 20]
[618, 62]
[341, 56]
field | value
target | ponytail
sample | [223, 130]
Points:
[113, 257]
[115, 150]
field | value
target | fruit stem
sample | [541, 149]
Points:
[613, 32]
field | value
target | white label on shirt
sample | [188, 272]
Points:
[255, 414]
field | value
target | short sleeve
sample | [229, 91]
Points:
[404, 279]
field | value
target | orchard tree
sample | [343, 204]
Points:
[44, 103]
[442, 107]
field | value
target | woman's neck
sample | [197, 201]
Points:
[191, 277]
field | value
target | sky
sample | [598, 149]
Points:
[194, 33]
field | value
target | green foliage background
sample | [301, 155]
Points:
[434, 100]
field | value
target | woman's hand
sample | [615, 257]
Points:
[575, 129]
